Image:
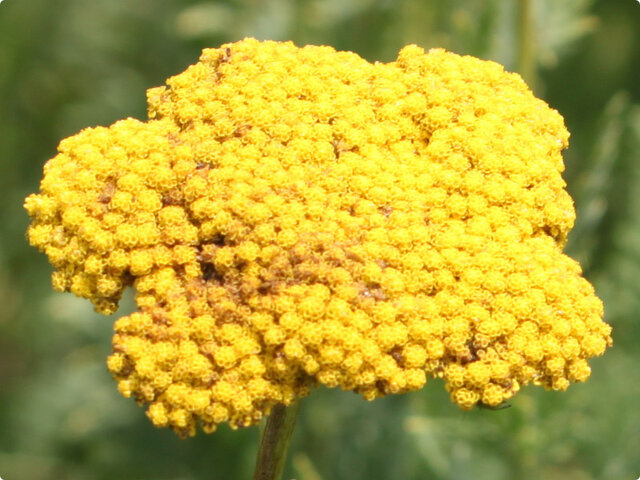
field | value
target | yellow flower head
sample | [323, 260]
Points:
[298, 216]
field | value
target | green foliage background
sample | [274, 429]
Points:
[68, 64]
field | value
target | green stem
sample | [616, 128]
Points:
[274, 442]
[526, 43]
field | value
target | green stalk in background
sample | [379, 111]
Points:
[526, 60]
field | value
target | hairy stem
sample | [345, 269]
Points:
[274, 442]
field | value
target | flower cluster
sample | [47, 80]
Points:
[298, 216]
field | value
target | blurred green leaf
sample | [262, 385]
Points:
[559, 26]
[594, 187]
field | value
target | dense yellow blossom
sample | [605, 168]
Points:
[299, 216]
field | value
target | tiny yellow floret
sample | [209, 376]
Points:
[299, 216]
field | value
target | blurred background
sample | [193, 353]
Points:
[69, 64]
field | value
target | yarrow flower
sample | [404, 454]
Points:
[293, 217]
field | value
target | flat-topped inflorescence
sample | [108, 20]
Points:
[298, 216]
